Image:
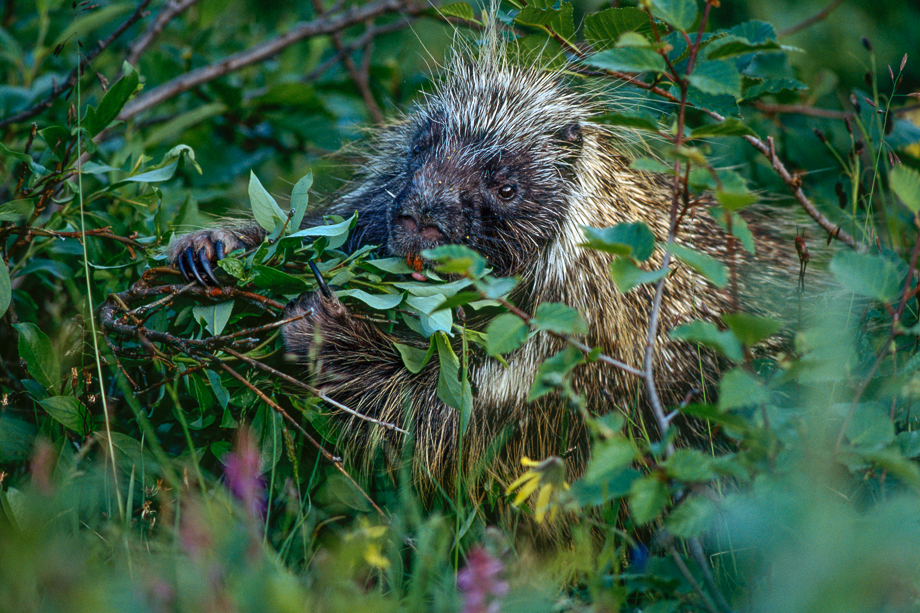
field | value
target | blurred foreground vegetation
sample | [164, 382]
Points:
[166, 471]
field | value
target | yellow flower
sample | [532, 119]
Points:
[369, 540]
[549, 477]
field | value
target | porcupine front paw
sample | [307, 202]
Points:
[196, 254]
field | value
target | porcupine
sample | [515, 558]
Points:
[506, 160]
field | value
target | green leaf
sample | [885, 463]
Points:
[559, 318]
[453, 390]
[732, 45]
[691, 518]
[707, 334]
[899, 466]
[870, 426]
[331, 230]
[156, 175]
[415, 359]
[754, 88]
[755, 31]
[16, 439]
[711, 268]
[427, 289]
[729, 127]
[6, 288]
[40, 358]
[739, 228]
[647, 498]
[457, 259]
[19, 155]
[734, 425]
[630, 239]
[627, 275]
[396, 266]
[734, 201]
[646, 164]
[559, 20]
[739, 388]
[609, 457]
[690, 466]
[281, 282]
[627, 59]
[461, 10]
[300, 198]
[113, 101]
[214, 316]
[679, 13]
[603, 28]
[506, 333]
[869, 274]
[637, 121]
[430, 318]
[553, 371]
[751, 329]
[909, 444]
[717, 77]
[723, 104]
[16, 210]
[266, 211]
[493, 288]
[905, 182]
[85, 23]
[380, 302]
[69, 411]
[217, 386]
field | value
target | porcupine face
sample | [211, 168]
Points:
[486, 163]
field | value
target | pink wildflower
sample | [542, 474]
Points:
[480, 582]
[244, 477]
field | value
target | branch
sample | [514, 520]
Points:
[319, 394]
[320, 26]
[819, 16]
[337, 462]
[141, 43]
[795, 184]
[57, 90]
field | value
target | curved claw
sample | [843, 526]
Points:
[191, 260]
[206, 267]
[323, 287]
[219, 249]
[182, 268]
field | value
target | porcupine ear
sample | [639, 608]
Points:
[569, 139]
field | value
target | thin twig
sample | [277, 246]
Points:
[696, 550]
[689, 578]
[263, 51]
[572, 341]
[319, 394]
[336, 461]
[819, 16]
[97, 232]
[795, 184]
[359, 76]
[140, 44]
[71, 79]
[906, 293]
[357, 43]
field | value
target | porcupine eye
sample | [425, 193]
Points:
[506, 192]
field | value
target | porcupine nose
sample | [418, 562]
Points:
[427, 234]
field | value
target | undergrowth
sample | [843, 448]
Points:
[155, 454]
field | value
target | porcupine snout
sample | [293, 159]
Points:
[425, 214]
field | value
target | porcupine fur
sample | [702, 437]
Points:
[436, 177]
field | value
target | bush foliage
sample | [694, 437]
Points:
[153, 456]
